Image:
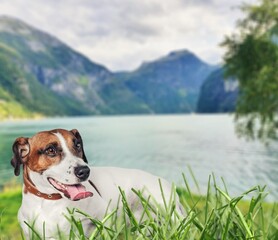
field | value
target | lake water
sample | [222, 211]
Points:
[162, 145]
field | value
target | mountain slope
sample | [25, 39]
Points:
[217, 94]
[54, 65]
[19, 86]
[11, 108]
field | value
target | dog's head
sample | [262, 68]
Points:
[56, 161]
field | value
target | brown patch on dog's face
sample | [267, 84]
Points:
[45, 151]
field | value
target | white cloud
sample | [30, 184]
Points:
[121, 34]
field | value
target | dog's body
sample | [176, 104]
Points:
[56, 175]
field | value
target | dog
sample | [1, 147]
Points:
[57, 177]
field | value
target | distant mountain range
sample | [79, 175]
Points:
[40, 74]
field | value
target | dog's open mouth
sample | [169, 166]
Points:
[74, 192]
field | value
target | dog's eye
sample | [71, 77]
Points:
[78, 146]
[51, 151]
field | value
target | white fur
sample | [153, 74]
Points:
[51, 213]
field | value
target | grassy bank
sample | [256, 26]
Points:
[213, 216]
[10, 200]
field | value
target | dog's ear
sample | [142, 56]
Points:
[78, 136]
[21, 149]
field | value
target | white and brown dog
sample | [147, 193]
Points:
[56, 175]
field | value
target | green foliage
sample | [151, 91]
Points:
[83, 81]
[252, 58]
[13, 109]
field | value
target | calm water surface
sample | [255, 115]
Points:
[163, 145]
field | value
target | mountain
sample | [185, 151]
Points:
[41, 74]
[21, 94]
[51, 71]
[217, 95]
[170, 84]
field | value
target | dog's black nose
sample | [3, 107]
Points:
[82, 172]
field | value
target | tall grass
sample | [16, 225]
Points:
[216, 215]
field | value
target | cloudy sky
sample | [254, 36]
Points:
[121, 34]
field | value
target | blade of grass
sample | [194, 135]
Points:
[163, 195]
[207, 199]
[194, 178]
[187, 188]
[249, 233]
[34, 232]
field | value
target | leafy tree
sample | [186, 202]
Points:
[252, 58]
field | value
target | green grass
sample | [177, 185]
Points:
[215, 215]
[10, 200]
[14, 110]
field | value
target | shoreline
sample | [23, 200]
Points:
[21, 119]
[40, 117]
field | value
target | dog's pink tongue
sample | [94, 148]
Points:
[77, 192]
